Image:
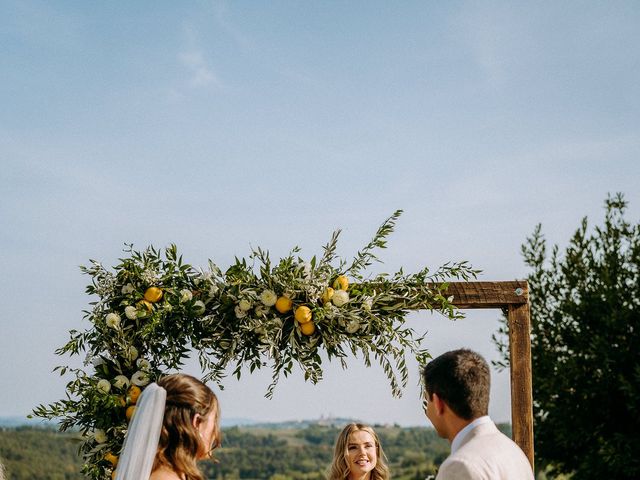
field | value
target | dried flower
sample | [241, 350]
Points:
[121, 382]
[140, 378]
[353, 326]
[245, 305]
[112, 320]
[99, 436]
[131, 312]
[268, 298]
[340, 298]
[104, 386]
[143, 364]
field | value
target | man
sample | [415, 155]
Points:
[457, 403]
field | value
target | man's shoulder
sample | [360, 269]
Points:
[488, 453]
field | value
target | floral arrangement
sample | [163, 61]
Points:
[153, 310]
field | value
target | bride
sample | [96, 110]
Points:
[175, 424]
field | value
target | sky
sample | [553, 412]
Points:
[222, 126]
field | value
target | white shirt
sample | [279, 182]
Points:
[462, 434]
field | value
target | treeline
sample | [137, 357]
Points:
[247, 453]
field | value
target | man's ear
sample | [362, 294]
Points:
[438, 404]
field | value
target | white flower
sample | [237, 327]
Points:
[127, 289]
[261, 310]
[239, 312]
[340, 297]
[450, 298]
[120, 382]
[353, 326]
[131, 353]
[140, 378]
[113, 320]
[104, 386]
[131, 312]
[367, 302]
[99, 436]
[268, 298]
[199, 307]
[245, 305]
[143, 364]
[213, 289]
[185, 296]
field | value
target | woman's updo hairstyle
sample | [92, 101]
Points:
[180, 444]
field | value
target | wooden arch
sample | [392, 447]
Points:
[513, 298]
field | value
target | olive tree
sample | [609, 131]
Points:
[585, 341]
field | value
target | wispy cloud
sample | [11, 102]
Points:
[201, 74]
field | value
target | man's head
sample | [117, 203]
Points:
[461, 379]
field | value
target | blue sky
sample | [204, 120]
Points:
[224, 125]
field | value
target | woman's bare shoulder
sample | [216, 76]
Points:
[164, 474]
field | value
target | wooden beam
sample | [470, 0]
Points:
[471, 295]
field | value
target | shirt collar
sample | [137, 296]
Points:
[462, 434]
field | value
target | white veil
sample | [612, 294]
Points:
[141, 442]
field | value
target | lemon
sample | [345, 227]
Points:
[153, 294]
[284, 304]
[130, 412]
[111, 458]
[341, 283]
[327, 295]
[308, 328]
[133, 394]
[146, 306]
[303, 314]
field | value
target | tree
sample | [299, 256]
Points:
[585, 341]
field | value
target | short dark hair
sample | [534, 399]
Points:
[462, 379]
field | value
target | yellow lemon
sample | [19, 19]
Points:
[303, 314]
[153, 294]
[133, 394]
[308, 328]
[341, 283]
[284, 304]
[143, 304]
[327, 295]
[130, 412]
[110, 457]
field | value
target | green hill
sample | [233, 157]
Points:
[261, 453]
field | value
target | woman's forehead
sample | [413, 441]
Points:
[360, 436]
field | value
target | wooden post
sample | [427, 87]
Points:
[521, 378]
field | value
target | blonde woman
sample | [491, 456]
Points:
[175, 425]
[358, 455]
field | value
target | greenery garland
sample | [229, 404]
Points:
[153, 310]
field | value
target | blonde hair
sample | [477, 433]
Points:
[180, 444]
[340, 470]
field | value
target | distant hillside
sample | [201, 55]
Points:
[264, 452]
